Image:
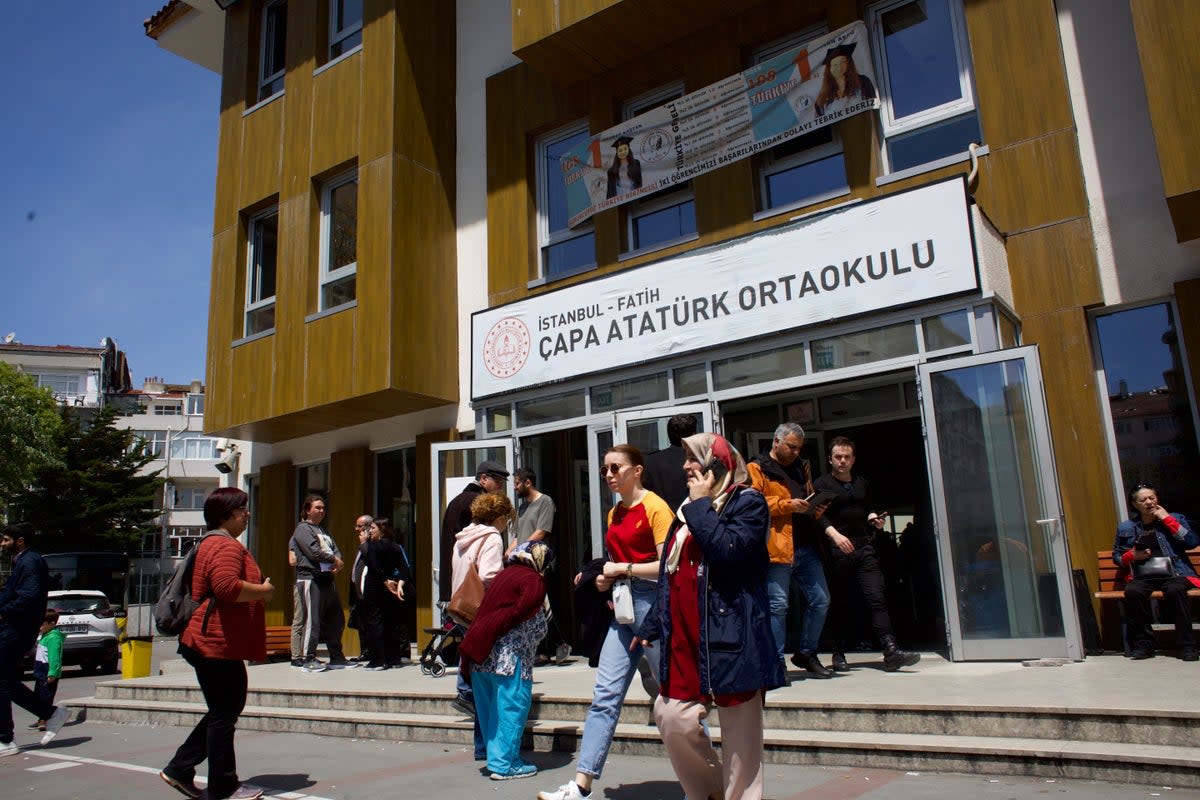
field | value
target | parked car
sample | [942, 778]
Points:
[89, 623]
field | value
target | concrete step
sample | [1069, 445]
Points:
[1121, 762]
[1171, 729]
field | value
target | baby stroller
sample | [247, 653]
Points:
[442, 648]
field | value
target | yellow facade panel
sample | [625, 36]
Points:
[296, 275]
[1054, 268]
[1032, 183]
[1022, 89]
[337, 103]
[1167, 36]
[259, 160]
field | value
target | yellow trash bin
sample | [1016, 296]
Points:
[135, 657]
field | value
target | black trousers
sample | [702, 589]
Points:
[857, 571]
[12, 688]
[383, 629]
[1139, 617]
[223, 683]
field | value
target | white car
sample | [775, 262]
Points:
[89, 623]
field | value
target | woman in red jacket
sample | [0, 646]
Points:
[227, 629]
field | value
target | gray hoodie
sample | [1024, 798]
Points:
[313, 547]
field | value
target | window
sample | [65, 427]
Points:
[64, 386]
[339, 240]
[1148, 400]
[195, 405]
[670, 215]
[183, 539]
[152, 443]
[345, 26]
[166, 409]
[805, 170]
[194, 448]
[563, 250]
[924, 66]
[260, 272]
[272, 49]
[190, 497]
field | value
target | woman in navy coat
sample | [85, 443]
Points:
[712, 621]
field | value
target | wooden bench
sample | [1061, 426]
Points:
[1112, 591]
[279, 641]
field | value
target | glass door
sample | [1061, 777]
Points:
[453, 466]
[647, 431]
[1006, 572]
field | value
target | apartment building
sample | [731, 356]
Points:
[431, 247]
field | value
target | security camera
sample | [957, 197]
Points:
[228, 462]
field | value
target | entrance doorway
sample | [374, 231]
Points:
[559, 459]
[883, 419]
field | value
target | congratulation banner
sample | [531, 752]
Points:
[809, 87]
[901, 249]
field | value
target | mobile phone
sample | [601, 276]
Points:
[717, 468]
[821, 498]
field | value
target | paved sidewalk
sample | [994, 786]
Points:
[1099, 682]
[97, 761]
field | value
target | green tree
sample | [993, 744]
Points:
[29, 422]
[93, 498]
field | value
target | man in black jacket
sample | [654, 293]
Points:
[22, 611]
[663, 473]
[848, 515]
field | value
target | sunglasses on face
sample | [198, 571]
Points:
[611, 469]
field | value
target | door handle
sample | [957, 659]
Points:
[1052, 521]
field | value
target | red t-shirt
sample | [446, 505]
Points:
[634, 533]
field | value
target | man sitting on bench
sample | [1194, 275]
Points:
[1152, 545]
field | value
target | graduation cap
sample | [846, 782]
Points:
[840, 50]
[622, 140]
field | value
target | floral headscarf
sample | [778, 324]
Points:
[533, 554]
[707, 446]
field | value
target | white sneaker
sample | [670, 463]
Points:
[54, 724]
[9, 749]
[568, 791]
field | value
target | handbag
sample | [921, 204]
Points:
[464, 603]
[622, 595]
[1153, 568]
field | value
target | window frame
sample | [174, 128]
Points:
[892, 128]
[266, 83]
[768, 165]
[328, 277]
[547, 238]
[51, 380]
[153, 442]
[336, 37]
[189, 446]
[252, 278]
[662, 199]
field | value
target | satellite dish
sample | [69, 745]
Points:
[10, 338]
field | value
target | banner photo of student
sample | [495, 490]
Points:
[811, 86]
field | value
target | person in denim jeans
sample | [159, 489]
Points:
[637, 528]
[785, 480]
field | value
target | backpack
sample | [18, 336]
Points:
[175, 606]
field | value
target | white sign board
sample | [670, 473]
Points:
[905, 248]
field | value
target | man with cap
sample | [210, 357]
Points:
[490, 477]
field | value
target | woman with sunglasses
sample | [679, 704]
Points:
[637, 528]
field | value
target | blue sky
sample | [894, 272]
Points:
[111, 145]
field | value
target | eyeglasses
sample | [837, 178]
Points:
[611, 469]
